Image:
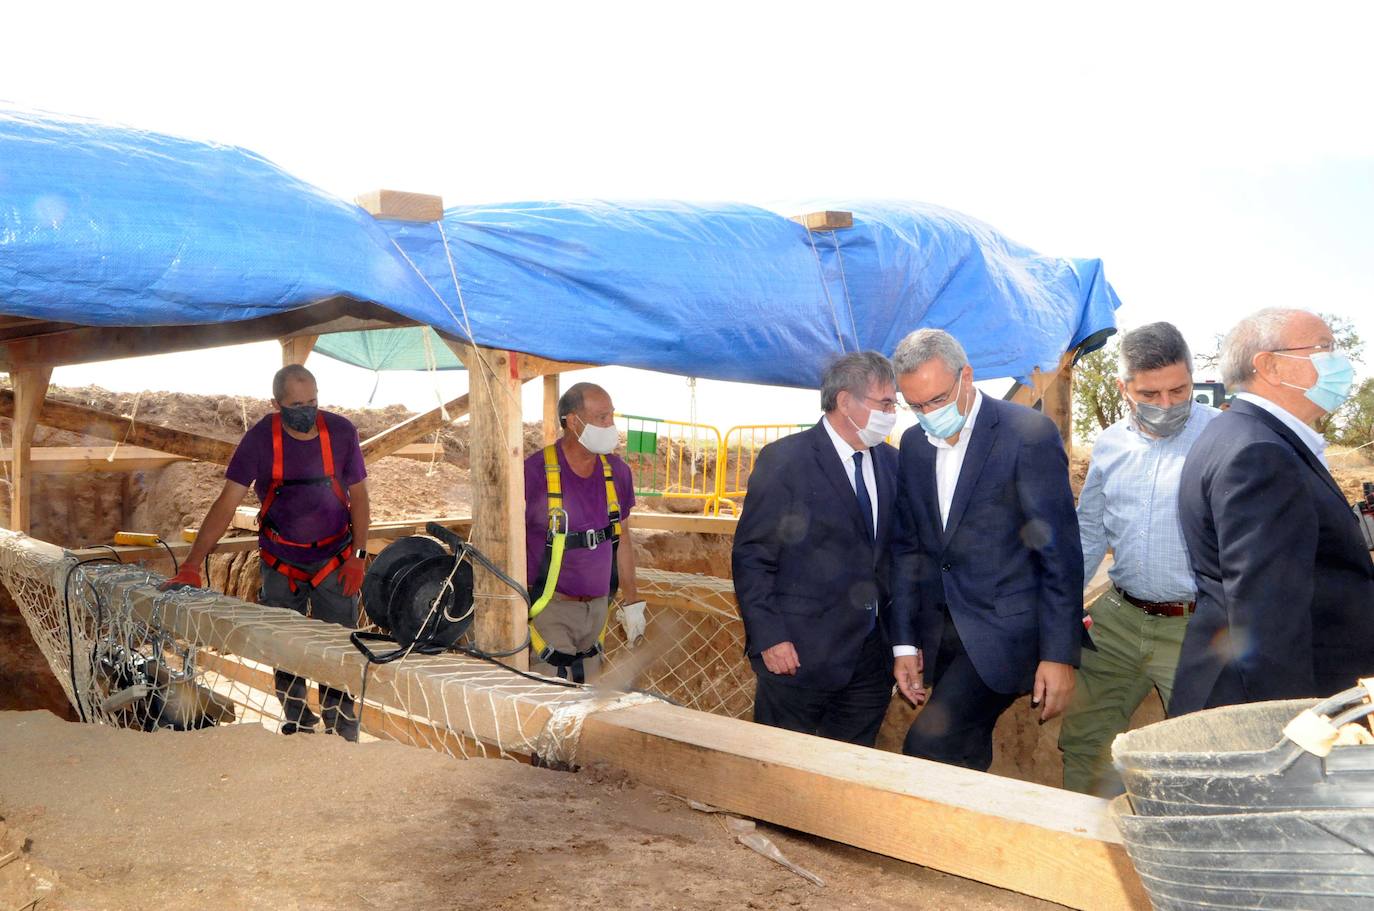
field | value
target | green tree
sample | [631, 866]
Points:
[1355, 421]
[1097, 402]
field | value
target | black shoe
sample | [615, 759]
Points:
[292, 728]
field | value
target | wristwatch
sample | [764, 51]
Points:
[360, 553]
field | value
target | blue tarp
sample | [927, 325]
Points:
[104, 225]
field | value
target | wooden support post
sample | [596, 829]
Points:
[1058, 404]
[496, 456]
[551, 394]
[296, 349]
[401, 206]
[30, 388]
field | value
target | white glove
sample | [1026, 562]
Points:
[631, 617]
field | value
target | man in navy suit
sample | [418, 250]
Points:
[987, 578]
[1285, 604]
[810, 561]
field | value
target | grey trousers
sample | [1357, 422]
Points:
[571, 627]
[325, 602]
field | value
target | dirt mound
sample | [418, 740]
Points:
[240, 818]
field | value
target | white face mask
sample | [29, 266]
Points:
[878, 426]
[599, 440]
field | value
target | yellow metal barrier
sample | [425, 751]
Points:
[676, 460]
[739, 450]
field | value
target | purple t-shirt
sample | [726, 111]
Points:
[301, 512]
[586, 573]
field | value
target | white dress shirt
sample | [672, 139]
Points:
[949, 461]
[1314, 441]
[846, 453]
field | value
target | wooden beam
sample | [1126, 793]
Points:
[296, 348]
[496, 457]
[532, 365]
[825, 221]
[420, 452]
[1057, 404]
[1041, 381]
[669, 521]
[30, 388]
[401, 206]
[551, 395]
[88, 421]
[1016, 835]
[85, 459]
[408, 431]
[64, 344]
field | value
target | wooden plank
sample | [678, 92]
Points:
[82, 459]
[1041, 381]
[825, 221]
[30, 388]
[420, 452]
[551, 395]
[532, 365]
[496, 458]
[85, 344]
[297, 348]
[1041, 841]
[412, 429]
[1057, 404]
[668, 521]
[88, 421]
[401, 206]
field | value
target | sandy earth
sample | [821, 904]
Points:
[239, 818]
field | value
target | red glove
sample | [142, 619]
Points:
[187, 577]
[351, 575]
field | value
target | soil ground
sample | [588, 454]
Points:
[235, 817]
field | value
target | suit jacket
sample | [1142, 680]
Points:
[805, 570]
[1285, 604]
[1008, 564]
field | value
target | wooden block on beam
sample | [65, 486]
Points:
[825, 221]
[402, 206]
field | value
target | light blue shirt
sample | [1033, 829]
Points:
[1129, 503]
[1305, 432]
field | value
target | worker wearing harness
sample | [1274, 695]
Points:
[578, 499]
[307, 469]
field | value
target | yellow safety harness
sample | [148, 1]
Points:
[556, 543]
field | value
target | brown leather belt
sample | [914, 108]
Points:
[1159, 608]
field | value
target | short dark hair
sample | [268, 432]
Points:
[853, 373]
[573, 399]
[1152, 347]
[289, 372]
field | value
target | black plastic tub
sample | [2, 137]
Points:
[1284, 861]
[1236, 759]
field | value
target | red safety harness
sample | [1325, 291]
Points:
[293, 573]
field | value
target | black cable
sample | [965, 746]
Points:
[176, 567]
[71, 635]
[109, 547]
[483, 656]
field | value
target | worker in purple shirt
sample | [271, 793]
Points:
[577, 491]
[307, 470]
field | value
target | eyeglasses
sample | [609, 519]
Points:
[1323, 348]
[938, 402]
[888, 405]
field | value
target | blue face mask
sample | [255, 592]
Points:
[945, 421]
[1335, 377]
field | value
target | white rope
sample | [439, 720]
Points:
[132, 415]
[839, 258]
[825, 286]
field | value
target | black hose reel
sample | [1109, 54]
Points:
[415, 592]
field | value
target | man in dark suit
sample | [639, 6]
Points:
[987, 581]
[810, 561]
[1285, 604]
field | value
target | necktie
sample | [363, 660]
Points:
[861, 491]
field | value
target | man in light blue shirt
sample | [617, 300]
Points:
[1129, 504]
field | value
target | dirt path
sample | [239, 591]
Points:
[240, 818]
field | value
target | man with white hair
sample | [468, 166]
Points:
[1285, 605]
[987, 579]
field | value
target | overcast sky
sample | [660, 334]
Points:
[1217, 157]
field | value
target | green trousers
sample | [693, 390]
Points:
[1135, 652]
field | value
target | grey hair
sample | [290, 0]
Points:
[1151, 347]
[574, 398]
[285, 375]
[924, 345]
[853, 373]
[1261, 331]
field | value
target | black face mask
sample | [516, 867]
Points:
[300, 418]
